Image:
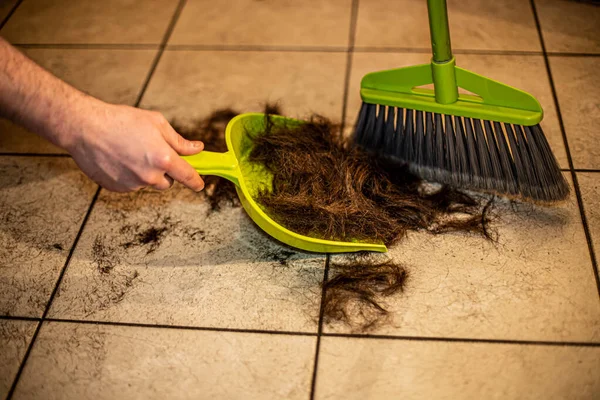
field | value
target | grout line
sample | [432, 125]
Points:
[464, 340]
[322, 334]
[266, 48]
[10, 14]
[71, 252]
[313, 384]
[17, 318]
[284, 48]
[563, 54]
[427, 50]
[52, 295]
[349, 57]
[586, 170]
[179, 327]
[161, 50]
[88, 46]
[60, 155]
[158, 326]
[373, 49]
[22, 365]
[586, 229]
[568, 152]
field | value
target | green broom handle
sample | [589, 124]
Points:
[440, 33]
[442, 63]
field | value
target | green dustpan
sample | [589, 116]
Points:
[250, 178]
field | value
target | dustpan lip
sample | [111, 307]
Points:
[271, 227]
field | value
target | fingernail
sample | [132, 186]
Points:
[198, 144]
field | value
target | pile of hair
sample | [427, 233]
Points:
[325, 187]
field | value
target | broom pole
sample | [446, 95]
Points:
[442, 63]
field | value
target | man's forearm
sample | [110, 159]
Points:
[37, 100]
[122, 148]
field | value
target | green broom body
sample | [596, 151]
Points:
[491, 141]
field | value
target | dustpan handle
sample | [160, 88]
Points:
[211, 163]
[440, 32]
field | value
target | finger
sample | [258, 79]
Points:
[183, 172]
[165, 182]
[181, 145]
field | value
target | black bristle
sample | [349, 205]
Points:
[450, 164]
[377, 139]
[497, 173]
[419, 138]
[529, 171]
[522, 177]
[464, 152]
[429, 154]
[549, 178]
[461, 154]
[390, 134]
[439, 153]
[408, 151]
[483, 155]
[399, 134]
[508, 167]
[361, 122]
[473, 170]
[364, 137]
[557, 185]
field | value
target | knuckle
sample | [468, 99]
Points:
[163, 161]
[147, 179]
[160, 186]
[189, 177]
[158, 117]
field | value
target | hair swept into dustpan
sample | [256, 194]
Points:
[326, 187]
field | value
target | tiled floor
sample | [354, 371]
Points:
[216, 309]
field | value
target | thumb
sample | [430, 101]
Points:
[181, 145]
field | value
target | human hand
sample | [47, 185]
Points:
[124, 148]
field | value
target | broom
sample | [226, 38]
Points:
[491, 141]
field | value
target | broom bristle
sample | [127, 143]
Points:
[464, 152]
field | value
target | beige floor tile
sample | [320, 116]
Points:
[14, 340]
[474, 24]
[205, 269]
[590, 191]
[192, 84]
[115, 76]
[282, 23]
[390, 369]
[109, 21]
[536, 283]
[42, 204]
[5, 7]
[570, 26]
[579, 100]
[72, 361]
[522, 72]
